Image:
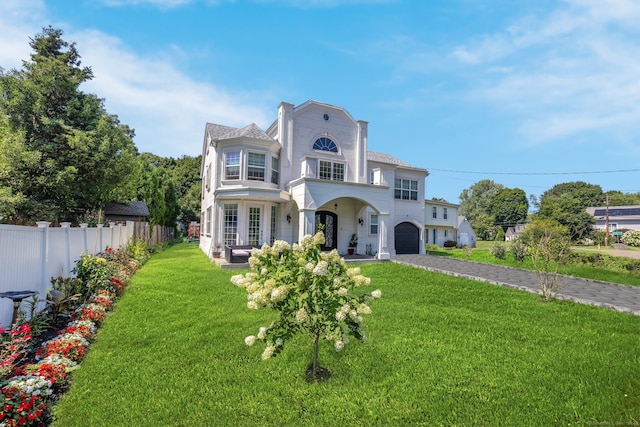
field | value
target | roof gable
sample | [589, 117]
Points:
[221, 133]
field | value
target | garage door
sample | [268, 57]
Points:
[407, 238]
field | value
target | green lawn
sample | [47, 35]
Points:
[441, 351]
[610, 268]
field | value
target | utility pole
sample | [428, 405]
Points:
[606, 222]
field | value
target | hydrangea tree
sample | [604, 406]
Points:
[312, 292]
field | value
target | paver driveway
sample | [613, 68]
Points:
[622, 298]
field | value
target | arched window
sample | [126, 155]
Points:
[325, 144]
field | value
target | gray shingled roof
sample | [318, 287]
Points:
[375, 156]
[126, 209]
[220, 133]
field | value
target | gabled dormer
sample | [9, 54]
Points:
[320, 141]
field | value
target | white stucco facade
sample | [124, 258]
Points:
[310, 167]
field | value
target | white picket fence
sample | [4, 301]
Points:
[31, 256]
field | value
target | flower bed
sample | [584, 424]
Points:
[34, 371]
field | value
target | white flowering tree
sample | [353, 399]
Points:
[312, 292]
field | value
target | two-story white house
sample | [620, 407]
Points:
[441, 222]
[310, 167]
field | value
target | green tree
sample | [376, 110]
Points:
[152, 184]
[566, 203]
[475, 201]
[186, 178]
[509, 207]
[618, 198]
[83, 154]
[484, 227]
[313, 293]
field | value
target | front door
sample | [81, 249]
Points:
[255, 230]
[330, 222]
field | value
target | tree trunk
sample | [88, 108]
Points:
[316, 338]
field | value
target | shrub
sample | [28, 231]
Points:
[450, 244]
[548, 244]
[631, 238]
[499, 250]
[467, 250]
[94, 272]
[519, 250]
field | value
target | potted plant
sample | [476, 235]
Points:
[217, 251]
[353, 242]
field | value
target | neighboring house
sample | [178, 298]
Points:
[310, 167]
[122, 212]
[513, 232]
[440, 222]
[466, 234]
[619, 217]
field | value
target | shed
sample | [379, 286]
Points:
[120, 212]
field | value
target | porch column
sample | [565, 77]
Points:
[306, 223]
[383, 238]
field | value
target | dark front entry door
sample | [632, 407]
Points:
[330, 222]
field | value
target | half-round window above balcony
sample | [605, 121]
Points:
[325, 144]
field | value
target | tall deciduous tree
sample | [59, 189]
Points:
[475, 203]
[509, 207]
[566, 203]
[73, 153]
[618, 198]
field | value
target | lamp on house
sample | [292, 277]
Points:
[289, 218]
[360, 221]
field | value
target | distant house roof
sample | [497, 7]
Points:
[618, 212]
[375, 156]
[126, 209]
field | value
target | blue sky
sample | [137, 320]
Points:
[522, 92]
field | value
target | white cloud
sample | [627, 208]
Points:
[162, 4]
[19, 20]
[166, 107]
[572, 71]
[315, 4]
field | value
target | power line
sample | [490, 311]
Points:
[534, 173]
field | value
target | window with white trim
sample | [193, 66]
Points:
[230, 218]
[256, 164]
[208, 178]
[207, 224]
[373, 224]
[275, 170]
[434, 212]
[232, 165]
[406, 189]
[332, 171]
[274, 225]
[444, 213]
[325, 144]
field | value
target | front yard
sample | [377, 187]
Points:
[441, 350]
